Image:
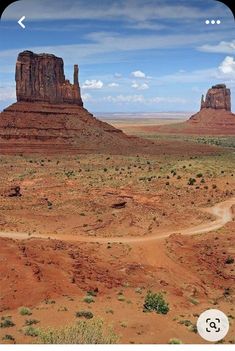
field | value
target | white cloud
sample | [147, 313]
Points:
[224, 47]
[97, 44]
[147, 25]
[92, 84]
[228, 66]
[113, 85]
[129, 99]
[139, 86]
[138, 10]
[7, 93]
[118, 75]
[86, 97]
[138, 74]
[124, 98]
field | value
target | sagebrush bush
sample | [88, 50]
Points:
[89, 299]
[155, 302]
[6, 322]
[31, 321]
[25, 311]
[175, 341]
[83, 332]
[85, 314]
[31, 331]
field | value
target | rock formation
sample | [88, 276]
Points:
[218, 97]
[214, 118]
[41, 78]
[49, 115]
[215, 115]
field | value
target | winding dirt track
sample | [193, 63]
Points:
[222, 211]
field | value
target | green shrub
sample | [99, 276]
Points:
[175, 341]
[229, 260]
[139, 290]
[89, 299]
[155, 302]
[121, 297]
[31, 321]
[92, 292]
[85, 314]
[83, 332]
[49, 302]
[191, 181]
[6, 322]
[25, 311]
[8, 337]
[193, 328]
[31, 331]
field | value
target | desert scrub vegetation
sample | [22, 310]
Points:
[155, 302]
[25, 311]
[31, 322]
[31, 331]
[174, 341]
[85, 314]
[82, 332]
[6, 322]
[229, 260]
[191, 181]
[88, 299]
[8, 337]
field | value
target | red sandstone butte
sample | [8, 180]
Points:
[49, 113]
[218, 97]
[215, 116]
[41, 78]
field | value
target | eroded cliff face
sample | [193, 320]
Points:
[40, 78]
[218, 97]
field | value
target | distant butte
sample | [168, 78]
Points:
[214, 118]
[215, 115]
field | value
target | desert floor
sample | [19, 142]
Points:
[120, 226]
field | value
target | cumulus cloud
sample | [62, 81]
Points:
[138, 74]
[224, 47]
[93, 84]
[113, 85]
[228, 66]
[139, 86]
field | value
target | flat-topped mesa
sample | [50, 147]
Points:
[40, 77]
[218, 97]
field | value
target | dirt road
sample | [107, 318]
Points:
[222, 211]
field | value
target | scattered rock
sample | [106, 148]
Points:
[15, 192]
[119, 205]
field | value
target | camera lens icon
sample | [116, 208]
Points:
[213, 325]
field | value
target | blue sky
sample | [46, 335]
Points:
[133, 55]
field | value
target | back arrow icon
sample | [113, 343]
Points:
[20, 22]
